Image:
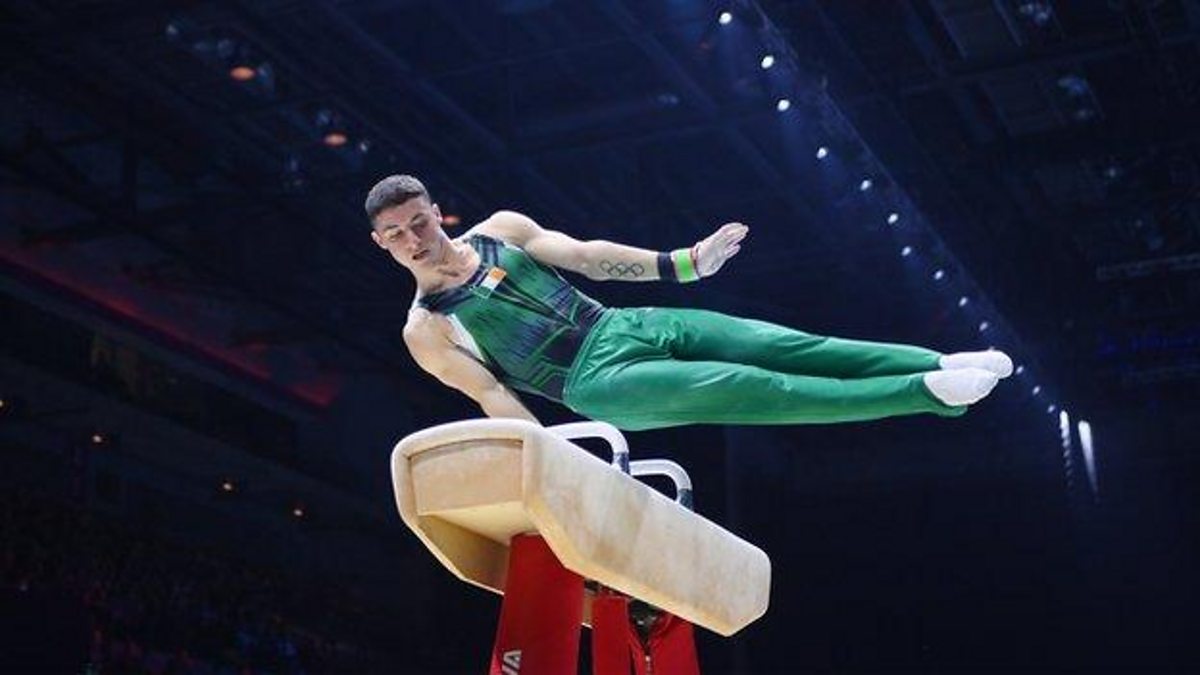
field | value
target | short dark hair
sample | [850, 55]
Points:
[393, 191]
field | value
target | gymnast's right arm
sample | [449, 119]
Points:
[433, 351]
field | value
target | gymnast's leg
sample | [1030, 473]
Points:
[652, 367]
[700, 335]
[691, 334]
[653, 393]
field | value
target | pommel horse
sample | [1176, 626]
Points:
[520, 510]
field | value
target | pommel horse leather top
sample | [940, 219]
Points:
[467, 488]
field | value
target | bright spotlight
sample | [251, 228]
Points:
[1051, 408]
[783, 104]
[822, 152]
[724, 18]
[1020, 369]
[865, 185]
[1087, 448]
[983, 326]
[906, 251]
[939, 275]
[767, 61]
[1037, 389]
[962, 302]
[893, 218]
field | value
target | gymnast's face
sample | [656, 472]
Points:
[412, 233]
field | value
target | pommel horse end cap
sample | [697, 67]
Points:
[467, 488]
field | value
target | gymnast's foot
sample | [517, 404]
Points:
[993, 360]
[961, 386]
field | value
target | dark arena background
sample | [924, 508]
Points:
[202, 374]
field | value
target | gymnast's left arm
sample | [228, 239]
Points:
[603, 260]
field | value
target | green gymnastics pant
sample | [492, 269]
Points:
[647, 368]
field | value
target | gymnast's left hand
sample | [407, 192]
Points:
[718, 247]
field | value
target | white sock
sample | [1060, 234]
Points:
[961, 386]
[996, 361]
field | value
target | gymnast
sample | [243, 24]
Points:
[492, 315]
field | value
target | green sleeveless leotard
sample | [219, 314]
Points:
[518, 317]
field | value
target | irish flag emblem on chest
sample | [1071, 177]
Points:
[493, 279]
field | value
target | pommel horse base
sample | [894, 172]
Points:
[520, 510]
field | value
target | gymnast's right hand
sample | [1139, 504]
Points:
[718, 247]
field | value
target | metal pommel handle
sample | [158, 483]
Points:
[620, 450]
[616, 441]
[665, 467]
